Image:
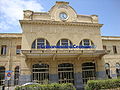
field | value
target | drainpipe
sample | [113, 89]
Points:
[9, 61]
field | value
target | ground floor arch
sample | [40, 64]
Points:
[66, 73]
[88, 71]
[2, 75]
[40, 73]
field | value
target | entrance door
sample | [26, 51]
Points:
[2, 75]
[41, 73]
[66, 73]
[88, 71]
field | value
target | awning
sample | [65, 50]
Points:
[63, 53]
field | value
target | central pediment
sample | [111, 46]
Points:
[63, 7]
[61, 11]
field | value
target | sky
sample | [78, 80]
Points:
[11, 11]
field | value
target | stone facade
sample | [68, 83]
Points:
[51, 27]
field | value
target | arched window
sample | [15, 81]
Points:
[88, 71]
[40, 43]
[86, 42]
[118, 69]
[41, 73]
[64, 42]
[16, 75]
[2, 75]
[107, 68]
[66, 73]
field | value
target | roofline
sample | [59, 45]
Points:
[11, 33]
[4, 35]
[110, 37]
[60, 23]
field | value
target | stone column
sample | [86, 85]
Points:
[24, 79]
[78, 75]
[100, 69]
[53, 74]
[25, 72]
[78, 80]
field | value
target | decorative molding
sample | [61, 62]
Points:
[60, 23]
[63, 6]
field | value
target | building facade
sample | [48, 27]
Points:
[59, 46]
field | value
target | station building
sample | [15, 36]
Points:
[59, 46]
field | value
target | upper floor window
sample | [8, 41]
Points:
[114, 50]
[3, 49]
[18, 49]
[39, 43]
[64, 42]
[86, 42]
[104, 47]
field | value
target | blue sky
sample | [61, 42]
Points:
[107, 10]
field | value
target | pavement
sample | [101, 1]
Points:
[10, 88]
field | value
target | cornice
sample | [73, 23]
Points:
[60, 23]
[10, 35]
[110, 37]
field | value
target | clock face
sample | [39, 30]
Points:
[63, 16]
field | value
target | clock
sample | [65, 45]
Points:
[63, 16]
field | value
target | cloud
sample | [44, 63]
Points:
[11, 11]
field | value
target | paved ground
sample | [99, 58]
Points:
[10, 88]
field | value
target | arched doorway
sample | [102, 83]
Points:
[2, 75]
[88, 71]
[16, 75]
[118, 69]
[107, 69]
[66, 73]
[40, 73]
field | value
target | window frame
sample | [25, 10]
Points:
[114, 49]
[107, 69]
[40, 70]
[18, 49]
[16, 75]
[66, 73]
[104, 47]
[3, 49]
[37, 44]
[61, 42]
[88, 67]
[2, 74]
[118, 69]
[82, 43]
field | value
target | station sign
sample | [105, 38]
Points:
[65, 46]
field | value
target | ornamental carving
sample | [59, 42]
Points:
[63, 6]
[27, 14]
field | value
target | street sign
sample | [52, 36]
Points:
[8, 74]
